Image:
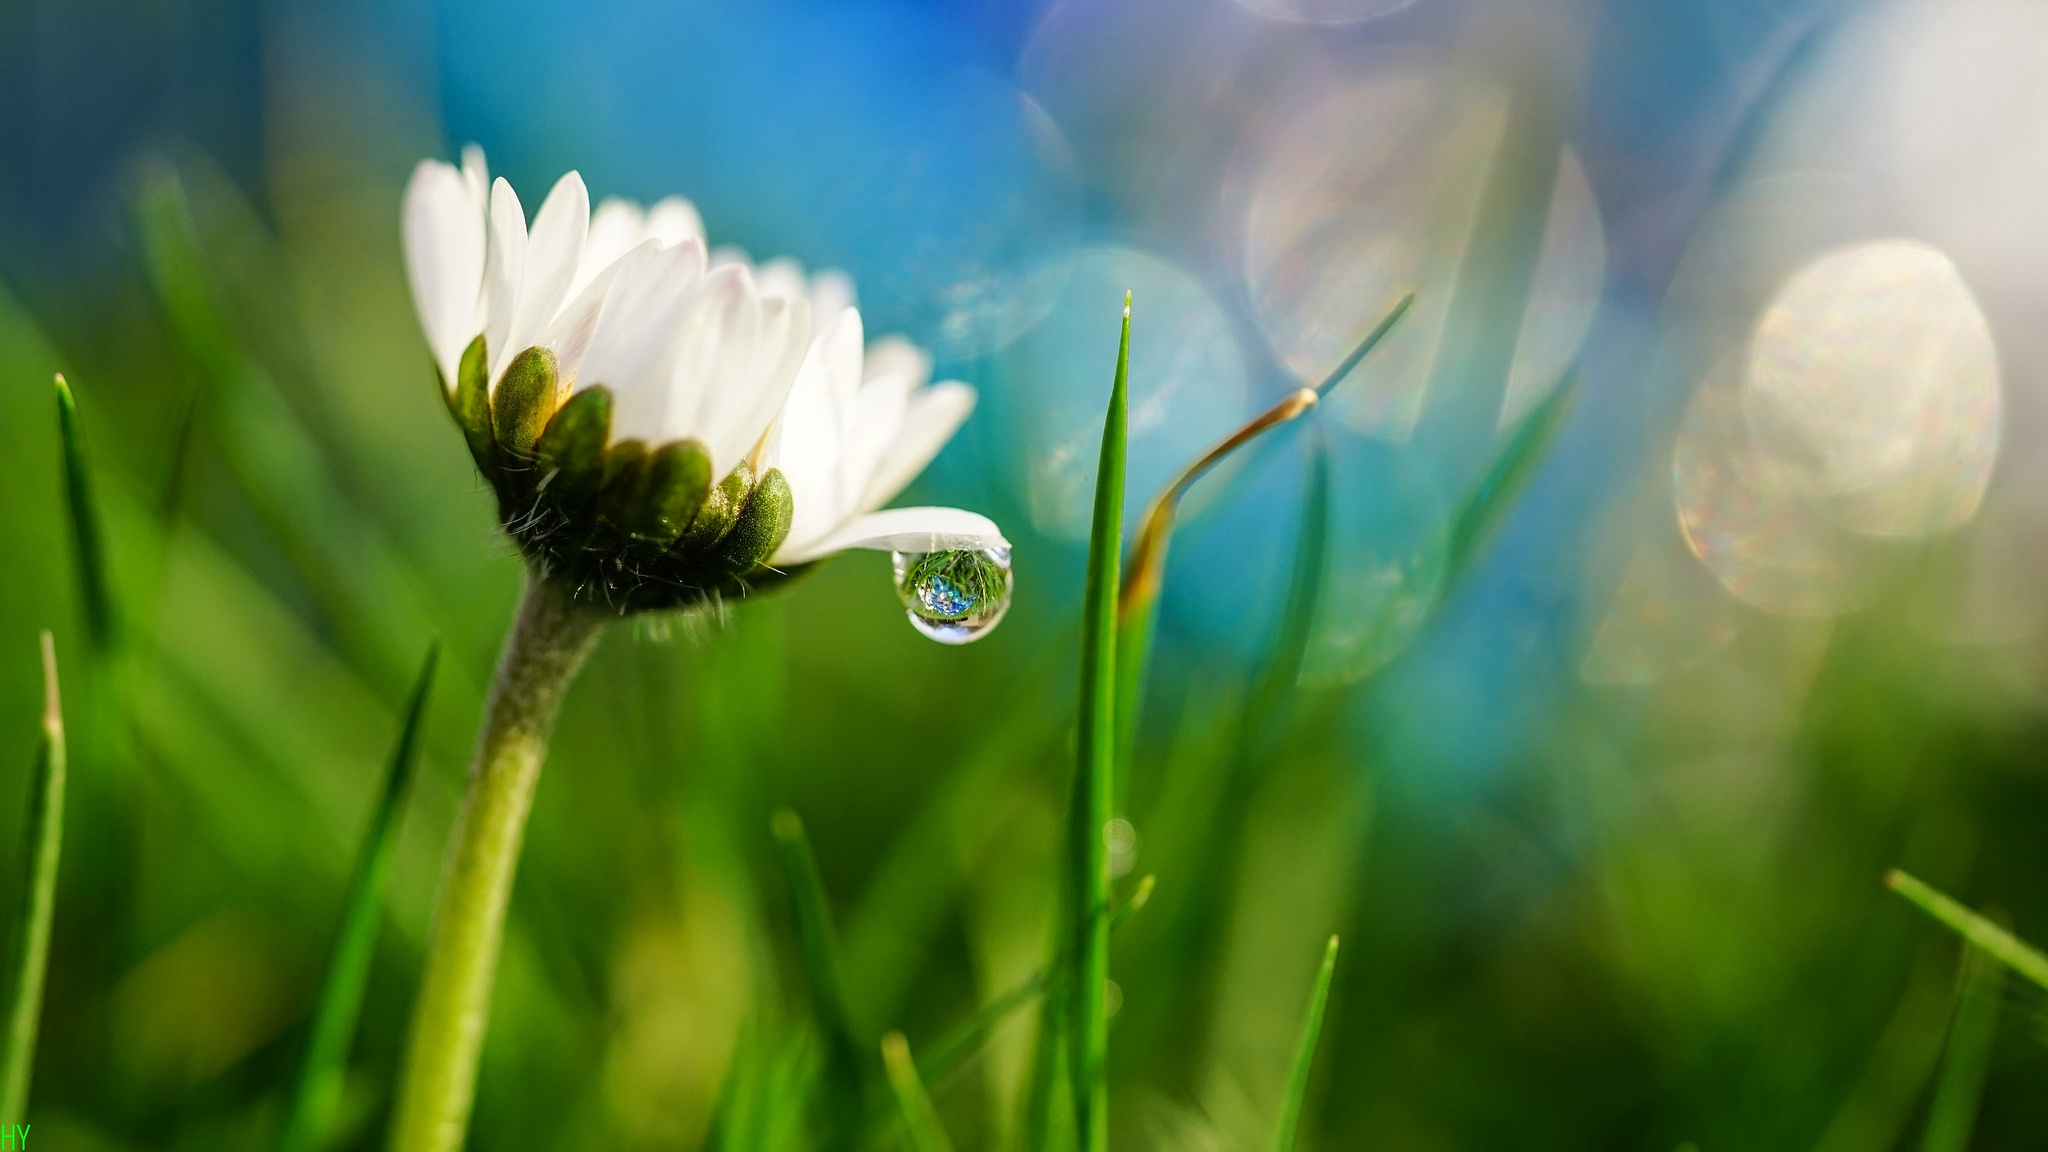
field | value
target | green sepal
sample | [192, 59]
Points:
[523, 402]
[760, 527]
[620, 459]
[570, 453]
[720, 508]
[666, 493]
[471, 405]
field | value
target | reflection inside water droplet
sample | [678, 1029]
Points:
[954, 597]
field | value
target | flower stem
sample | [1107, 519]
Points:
[549, 641]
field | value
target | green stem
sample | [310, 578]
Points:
[549, 641]
[29, 959]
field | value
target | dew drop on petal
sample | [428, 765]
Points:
[954, 597]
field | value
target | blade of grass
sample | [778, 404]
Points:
[1095, 777]
[1996, 942]
[86, 543]
[1304, 594]
[273, 454]
[845, 1055]
[1880, 1104]
[1048, 1104]
[920, 1119]
[1305, 1053]
[887, 934]
[1138, 601]
[1966, 1061]
[1487, 504]
[29, 956]
[317, 1097]
[1388, 319]
[956, 1047]
[762, 1104]
[1180, 957]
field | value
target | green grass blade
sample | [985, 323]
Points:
[1506, 475]
[1967, 1060]
[845, 1055]
[920, 1119]
[1095, 777]
[1388, 319]
[270, 450]
[1138, 601]
[957, 1046]
[1305, 1053]
[87, 543]
[28, 958]
[176, 265]
[317, 1096]
[1304, 595]
[1996, 942]
[954, 1048]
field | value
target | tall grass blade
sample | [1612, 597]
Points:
[87, 544]
[274, 456]
[957, 1046]
[1388, 319]
[317, 1097]
[1282, 670]
[1966, 1061]
[1305, 1053]
[920, 1119]
[1179, 959]
[1487, 504]
[1880, 1105]
[28, 958]
[1048, 1105]
[762, 1104]
[1138, 601]
[845, 1055]
[1095, 777]
[1996, 942]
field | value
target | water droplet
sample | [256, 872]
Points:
[954, 597]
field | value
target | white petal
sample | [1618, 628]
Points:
[785, 339]
[893, 356]
[632, 351]
[727, 368]
[477, 174]
[444, 258]
[554, 250]
[807, 449]
[575, 327]
[929, 423]
[616, 228]
[504, 269]
[784, 277]
[869, 434]
[832, 292]
[900, 530]
[844, 351]
[673, 220]
[700, 337]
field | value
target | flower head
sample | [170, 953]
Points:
[661, 428]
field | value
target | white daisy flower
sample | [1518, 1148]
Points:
[607, 375]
